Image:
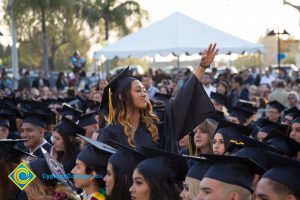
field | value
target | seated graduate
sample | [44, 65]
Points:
[130, 116]
[4, 125]
[294, 127]
[90, 169]
[191, 186]
[50, 182]
[120, 168]
[33, 129]
[281, 181]
[229, 177]
[228, 136]
[89, 123]
[158, 176]
[10, 158]
[65, 144]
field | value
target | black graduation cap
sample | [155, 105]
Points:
[233, 170]
[12, 102]
[291, 111]
[278, 106]
[255, 150]
[198, 167]
[4, 118]
[231, 133]
[79, 103]
[267, 126]
[217, 116]
[247, 105]
[296, 117]
[283, 143]
[164, 164]
[95, 154]
[87, 119]
[94, 106]
[115, 86]
[37, 118]
[218, 98]
[31, 105]
[162, 97]
[9, 152]
[68, 110]
[285, 171]
[67, 125]
[126, 158]
[241, 114]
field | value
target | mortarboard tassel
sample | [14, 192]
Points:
[110, 108]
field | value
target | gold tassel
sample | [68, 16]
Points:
[236, 142]
[110, 108]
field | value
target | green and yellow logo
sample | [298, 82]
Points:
[22, 176]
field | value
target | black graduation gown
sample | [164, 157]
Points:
[70, 164]
[180, 116]
[38, 153]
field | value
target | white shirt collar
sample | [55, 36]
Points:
[44, 142]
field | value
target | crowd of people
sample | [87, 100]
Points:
[195, 136]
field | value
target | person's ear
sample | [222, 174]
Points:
[235, 196]
[291, 197]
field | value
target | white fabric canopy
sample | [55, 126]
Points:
[176, 34]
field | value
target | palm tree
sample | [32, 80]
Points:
[113, 15]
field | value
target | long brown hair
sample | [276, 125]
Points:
[8, 189]
[123, 107]
[70, 143]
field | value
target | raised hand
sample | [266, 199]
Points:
[208, 55]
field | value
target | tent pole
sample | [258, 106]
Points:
[178, 61]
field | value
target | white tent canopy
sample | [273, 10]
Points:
[176, 34]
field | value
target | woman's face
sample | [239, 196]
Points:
[218, 144]
[58, 141]
[102, 84]
[163, 90]
[184, 195]
[139, 190]
[295, 132]
[109, 180]
[201, 139]
[139, 95]
[221, 89]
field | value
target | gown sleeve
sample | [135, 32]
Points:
[190, 107]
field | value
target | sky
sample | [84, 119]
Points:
[246, 19]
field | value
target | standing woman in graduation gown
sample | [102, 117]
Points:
[65, 145]
[130, 117]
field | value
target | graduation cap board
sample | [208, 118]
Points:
[276, 105]
[67, 125]
[164, 98]
[218, 98]
[95, 154]
[9, 153]
[37, 118]
[233, 170]
[67, 110]
[198, 167]
[267, 126]
[114, 87]
[125, 158]
[284, 171]
[282, 143]
[241, 114]
[163, 164]
[87, 119]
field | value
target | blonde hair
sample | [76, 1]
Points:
[194, 188]
[208, 127]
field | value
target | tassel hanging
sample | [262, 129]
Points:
[110, 108]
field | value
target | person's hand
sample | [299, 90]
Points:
[53, 153]
[208, 55]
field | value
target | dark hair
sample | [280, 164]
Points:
[122, 184]
[280, 84]
[238, 80]
[160, 189]
[71, 93]
[100, 172]
[8, 189]
[224, 84]
[208, 74]
[281, 189]
[70, 144]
